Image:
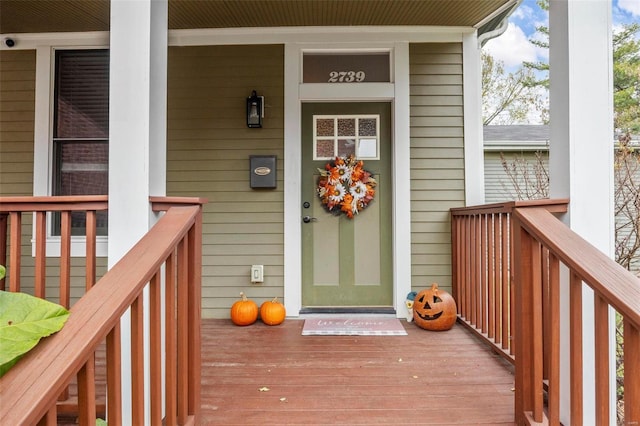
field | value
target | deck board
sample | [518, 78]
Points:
[424, 378]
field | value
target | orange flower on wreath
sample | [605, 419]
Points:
[345, 187]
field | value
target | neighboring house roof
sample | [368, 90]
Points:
[525, 137]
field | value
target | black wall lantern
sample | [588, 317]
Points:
[255, 110]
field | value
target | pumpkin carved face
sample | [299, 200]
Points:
[434, 309]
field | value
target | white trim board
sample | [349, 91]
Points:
[239, 36]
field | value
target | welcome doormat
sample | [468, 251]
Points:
[359, 326]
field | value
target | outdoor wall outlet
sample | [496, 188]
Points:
[257, 273]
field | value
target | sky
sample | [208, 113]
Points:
[513, 47]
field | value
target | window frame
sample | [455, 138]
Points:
[43, 163]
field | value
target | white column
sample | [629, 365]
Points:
[292, 175]
[473, 140]
[137, 135]
[581, 152]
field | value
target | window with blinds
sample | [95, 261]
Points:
[81, 129]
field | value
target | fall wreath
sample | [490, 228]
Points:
[345, 186]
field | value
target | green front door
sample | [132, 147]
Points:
[346, 262]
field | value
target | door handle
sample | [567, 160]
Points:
[307, 219]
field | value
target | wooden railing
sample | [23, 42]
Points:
[541, 245]
[167, 261]
[12, 210]
[482, 260]
[506, 279]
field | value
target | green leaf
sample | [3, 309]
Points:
[101, 422]
[3, 271]
[24, 320]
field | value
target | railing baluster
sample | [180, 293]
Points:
[114, 377]
[183, 332]
[602, 360]
[484, 294]
[65, 258]
[631, 373]
[464, 270]
[537, 372]
[554, 341]
[455, 257]
[524, 345]
[473, 289]
[90, 259]
[155, 362]
[41, 255]
[15, 251]
[546, 325]
[492, 276]
[468, 282]
[50, 419]
[137, 362]
[497, 280]
[87, 392]
[194, 238]
[506, 288]
[171, 345]
[575, 343]
[512, 306]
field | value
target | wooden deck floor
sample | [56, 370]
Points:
[260, 374]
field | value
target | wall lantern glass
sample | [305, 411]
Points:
[255, 110]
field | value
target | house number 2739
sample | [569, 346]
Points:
[346, 76]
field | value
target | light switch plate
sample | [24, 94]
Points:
[257, 273]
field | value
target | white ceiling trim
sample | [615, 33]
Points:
[281, 35]
[246, 36]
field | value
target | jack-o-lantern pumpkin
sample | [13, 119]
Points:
[434, 309]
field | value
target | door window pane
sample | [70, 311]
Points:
[344, 135]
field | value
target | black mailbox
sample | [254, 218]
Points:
[262, 169]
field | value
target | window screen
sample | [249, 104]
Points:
[81, 129]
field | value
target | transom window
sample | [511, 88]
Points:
[344, 135]
[81, 130]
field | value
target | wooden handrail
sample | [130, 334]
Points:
[541, 244]
[53, 203]
[29, 390]
[556, 205]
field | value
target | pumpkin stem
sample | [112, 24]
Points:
[244, 296]
[275, 300]
[434, 287]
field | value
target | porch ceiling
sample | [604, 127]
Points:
[34, 16]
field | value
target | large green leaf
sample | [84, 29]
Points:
[24, 320]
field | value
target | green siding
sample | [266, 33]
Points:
[437, 158]
[17, 106]
[209, 146]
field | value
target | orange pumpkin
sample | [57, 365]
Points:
[272, 312]
[244, 311]
[434, 309]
